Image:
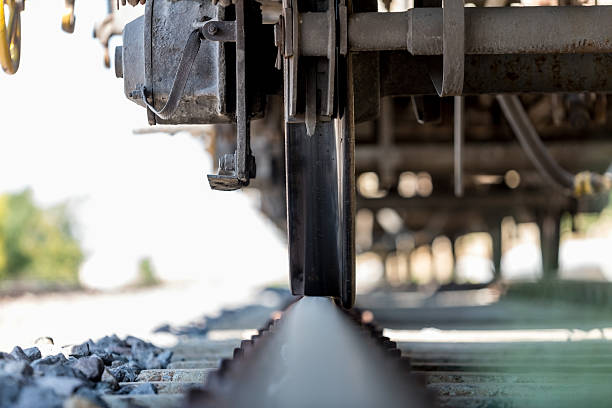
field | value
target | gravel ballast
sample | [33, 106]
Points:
[74, 374]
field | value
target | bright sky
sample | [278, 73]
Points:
[66, 132]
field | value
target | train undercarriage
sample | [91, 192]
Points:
[452, 115]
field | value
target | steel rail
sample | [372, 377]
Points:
[314, 356]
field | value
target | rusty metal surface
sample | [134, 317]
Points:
[403, 74]
[494, 30]
[377, 31]
[204, 100]
[538, 73]
[517, 30]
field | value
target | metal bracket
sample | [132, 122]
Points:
[215, 30]
[449, 82]
[333, 24]
[236, 172]
[290, 42]
[327, 109]
[343, 27]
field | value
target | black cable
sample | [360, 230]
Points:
[532, 145]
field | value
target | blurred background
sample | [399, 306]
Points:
[106, 226]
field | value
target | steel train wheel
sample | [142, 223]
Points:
[321, 206]
[313, 210]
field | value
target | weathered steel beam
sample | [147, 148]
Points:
[404, 74]
[482, 157]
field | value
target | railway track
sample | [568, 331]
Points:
[486, 351]
[509, 353]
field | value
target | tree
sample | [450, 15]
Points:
[36, 243]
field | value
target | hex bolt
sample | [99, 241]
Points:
[212, 29]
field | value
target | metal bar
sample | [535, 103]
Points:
[370, 31]
[458, 137]
[493, 30]
[517, 30]
[378, 31]
[488, 31]
[242, 127]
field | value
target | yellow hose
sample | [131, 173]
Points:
[10, 38]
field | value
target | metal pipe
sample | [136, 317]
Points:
[378, 31]
[517, 30]
[494, 30]
[488, 31]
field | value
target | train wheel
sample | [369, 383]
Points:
[321, 207]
